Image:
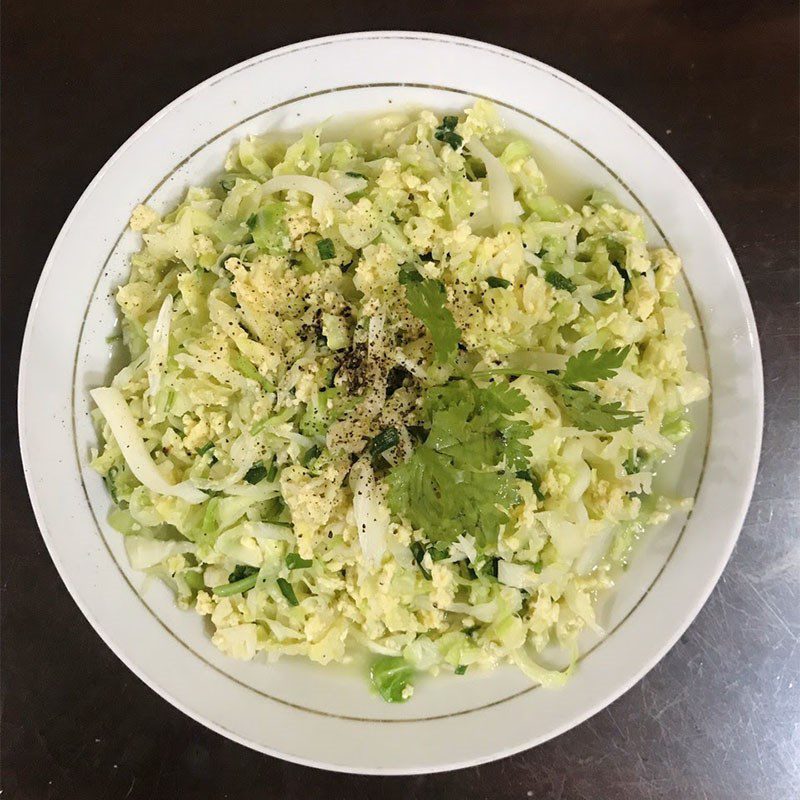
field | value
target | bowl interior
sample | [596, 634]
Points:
[572, 170]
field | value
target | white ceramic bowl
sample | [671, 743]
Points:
[327, 717]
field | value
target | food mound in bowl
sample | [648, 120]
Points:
[389, 393]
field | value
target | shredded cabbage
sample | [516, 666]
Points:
[159, 346]
[391, 394]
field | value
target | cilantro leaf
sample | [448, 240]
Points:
[517, 452]
[460, 479]
[588, 413]
[594, 365]
[584, 409]
[426, 300]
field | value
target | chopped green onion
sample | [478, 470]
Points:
[490, 567]
[240, 587]
[438, 555]
[449, 123]
[205, 448]
[272, 509]
[310, 455]
[418, 550]
[355, 175]
[247, 369]
[606, 294]
[272, 472]
[626, 279]
[241, 571]
[287, 591]
[242, 579]
[633, 463]
[537, 567]
[461, 669]
[256, 473]
[326, 249]
[498, 283]
[294, 561]
[559, 281]
[385, 440]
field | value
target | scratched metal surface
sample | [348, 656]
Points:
[716, 83]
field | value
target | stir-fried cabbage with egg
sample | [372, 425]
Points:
[389, 393]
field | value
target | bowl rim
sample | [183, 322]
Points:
[711, 578]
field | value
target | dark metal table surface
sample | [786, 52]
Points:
[715, 83]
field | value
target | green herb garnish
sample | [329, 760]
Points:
[457, 481]
[247, 369]
[294, 561]
[498, 283]
[595, 365]
[326, 249]
[559, 281]
[242, 579]
[313, 453]
[385, 440]
[418, 551]
[287, 591]
[256, 473]
[446, 133]
[427, 301]
[585, 410]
